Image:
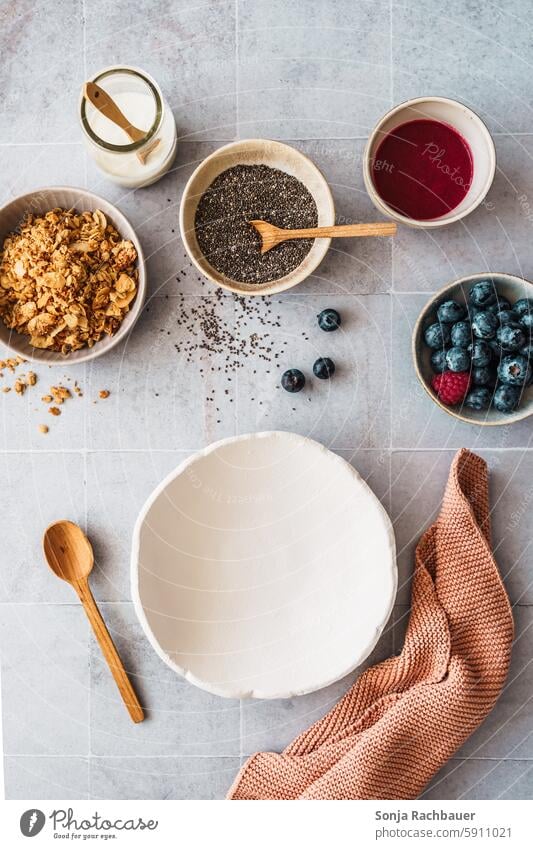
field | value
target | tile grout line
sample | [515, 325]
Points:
[353, 449]
[237, 76]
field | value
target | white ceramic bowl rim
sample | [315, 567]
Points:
[273, 286]
[236, 692]
[123, 225]
[441, 221]
[504, 419]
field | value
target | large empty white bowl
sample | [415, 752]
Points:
[263, 567]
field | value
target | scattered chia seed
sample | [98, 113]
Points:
[244, 193]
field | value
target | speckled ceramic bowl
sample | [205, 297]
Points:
[468, 125]
[512, 288]
[39, 202]
[256, 152]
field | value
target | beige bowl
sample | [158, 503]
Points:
[512, 288]
[471, 128]
[39, 202]
[256, 152]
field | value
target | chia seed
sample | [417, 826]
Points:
[239, 195]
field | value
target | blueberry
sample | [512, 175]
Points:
[328, 320]
[437, 335]
[483, 376]
[500, 305]
[510, 337]
[458, 359]
[461, 334]
[507, 317]
[523, 306]
[438, 361]
[293, 380]
[483, 294]
[506, 398]
[451, 311]
[526, 323]
[494, 345]
[479, 398]
[484, 325]
[324, 368]
[527, 350]
[480, 353]
[514, 369]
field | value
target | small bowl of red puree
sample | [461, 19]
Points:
[429, 162]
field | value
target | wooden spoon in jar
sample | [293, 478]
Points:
[107, 106]
[272, 236]
[70, 556]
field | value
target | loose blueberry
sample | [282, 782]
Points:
[437, 335]
[523, 306]
[479, 398]
[451, 311]
[458, 359]
[293, 380]
[484, 325]
[329, 320]
[324, 368]
[514, 370]
[483, 294]
[506, 398]
[461, 334]
[483, 376]
[510, 337]
[438, 361]
[480, 353]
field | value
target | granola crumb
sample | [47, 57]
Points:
[6, 389]
[47, 399]
[104, 393]
[31, 378]
[20, 386]
[55, 411]
[43, 428]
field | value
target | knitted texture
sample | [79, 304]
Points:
[402, 719]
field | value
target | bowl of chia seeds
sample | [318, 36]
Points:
[247, 180]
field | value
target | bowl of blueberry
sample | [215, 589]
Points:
[473, 349]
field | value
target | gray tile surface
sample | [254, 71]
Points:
[45, 680]
[482, 779]
[46, 777]
[48, 486]
[473, 52]
[319, 75]
[42, 67]
[162, 778]
[300, 74]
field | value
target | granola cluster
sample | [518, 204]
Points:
[66, 279]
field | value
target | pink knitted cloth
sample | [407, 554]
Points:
[402, 719]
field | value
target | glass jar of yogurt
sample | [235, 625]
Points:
[139, 98]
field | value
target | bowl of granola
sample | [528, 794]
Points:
[72, 275]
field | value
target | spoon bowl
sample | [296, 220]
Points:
[68, 552]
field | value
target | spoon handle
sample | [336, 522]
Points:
[107, 106]
[109, 651]
[381, 228]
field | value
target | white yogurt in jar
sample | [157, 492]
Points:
[141, 102]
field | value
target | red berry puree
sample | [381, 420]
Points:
[423, 169]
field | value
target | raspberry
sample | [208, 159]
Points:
[451, 386]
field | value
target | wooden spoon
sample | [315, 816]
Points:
[70, 556]
[107, 106]
[272, 236]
